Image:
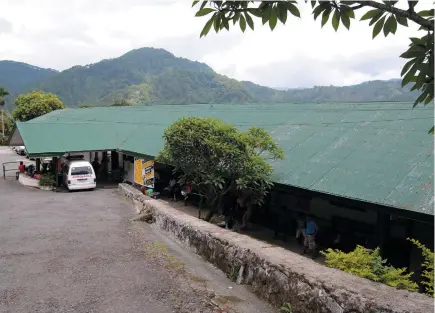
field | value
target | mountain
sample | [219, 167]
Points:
[370, 91]
[17, 76]
[149, 75]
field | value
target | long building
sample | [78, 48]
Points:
[367, 166]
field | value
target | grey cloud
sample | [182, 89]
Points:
[376, 63]
[5, 26]
[303, 71]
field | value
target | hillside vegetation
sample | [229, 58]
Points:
[149, 75]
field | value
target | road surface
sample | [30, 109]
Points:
[81, 252]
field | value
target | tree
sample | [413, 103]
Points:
[3, 94]
[383, 16]
[34, 104]
[121, 103]
[216, 158]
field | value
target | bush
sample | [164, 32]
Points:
[47, 180]
[368, 264]
[428, 267]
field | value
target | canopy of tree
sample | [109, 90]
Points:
[149, 75]
[216, 158]
[34, 104]
[385, 17]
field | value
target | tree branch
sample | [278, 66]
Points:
[410, 14]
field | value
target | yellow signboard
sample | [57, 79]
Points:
[144, 173]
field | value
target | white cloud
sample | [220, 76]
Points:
[60, 33]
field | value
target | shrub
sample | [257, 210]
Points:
[47, 180]
[428, 267]
[369, 264]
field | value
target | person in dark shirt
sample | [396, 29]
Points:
[96, 166]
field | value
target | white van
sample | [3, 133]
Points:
[78, 175]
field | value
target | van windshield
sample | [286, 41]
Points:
[82, 170]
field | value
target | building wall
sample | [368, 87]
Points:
[322, 209]
[326, 210]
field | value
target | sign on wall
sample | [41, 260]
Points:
[144, 172]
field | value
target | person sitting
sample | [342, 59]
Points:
[21, 168]
[310, 237]
[185, 192]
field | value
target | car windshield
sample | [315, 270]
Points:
[82, 170]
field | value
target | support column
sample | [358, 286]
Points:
[55, 170]
[115, 160]
[38, 164]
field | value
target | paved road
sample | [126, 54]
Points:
[80, 252]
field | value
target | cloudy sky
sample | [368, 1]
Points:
[61, 33]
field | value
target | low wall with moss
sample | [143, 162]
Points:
[278, 275]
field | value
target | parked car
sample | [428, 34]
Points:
[21, 150]
[78, 175]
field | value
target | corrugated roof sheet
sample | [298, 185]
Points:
[376, 152]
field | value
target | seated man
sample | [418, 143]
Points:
[21, 170]
[21, 167]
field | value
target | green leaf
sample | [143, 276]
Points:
[225, 24]
[426, 13]
[370, 14]
[194, 3]
[282, 12]
[255, 12]
[293, 9]
[217, 22]
[204, 11]
[345, 20]
[378, 27]
[347, 10]
[418, 41]
[249, 20]
[390, 25]
[412, 53]
[375, 18]
[207, 27]
[313, 4]
[431, 131]
[420, 99]
[336, 20]
[407, 66]
[325, 16]
[266, 14]
[203, 4]
[402, 20]
[319, 9]
[410, 76]
[236, 18]
[273, 19]
[242, 23]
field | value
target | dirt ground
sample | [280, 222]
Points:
[81, 252]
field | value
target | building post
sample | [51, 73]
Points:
[55, 171]
[38, 164]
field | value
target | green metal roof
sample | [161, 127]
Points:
[375, 152]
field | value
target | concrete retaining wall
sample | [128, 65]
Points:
[277, 275]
